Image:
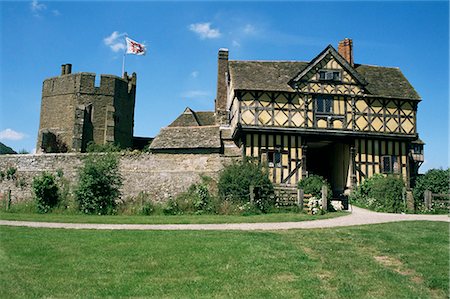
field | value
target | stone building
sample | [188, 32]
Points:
[76, 111]
[329, 116]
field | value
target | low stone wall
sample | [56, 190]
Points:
[159, 175]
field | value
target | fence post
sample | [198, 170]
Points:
[427, 198]
[8, 203]
[252, 193]
[324, 198]
[300, 198]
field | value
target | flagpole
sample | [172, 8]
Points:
[123, 64]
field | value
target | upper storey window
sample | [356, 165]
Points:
[324, 104]
[329, 75]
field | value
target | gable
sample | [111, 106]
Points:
[186, 119]
[329, 54]
[313, 81]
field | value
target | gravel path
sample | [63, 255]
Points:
[358, 216]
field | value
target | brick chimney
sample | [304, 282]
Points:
[345, 49]
[222, 70]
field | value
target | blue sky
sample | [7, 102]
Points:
[183, 38]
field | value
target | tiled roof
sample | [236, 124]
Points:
[275, 76]
[196, 137]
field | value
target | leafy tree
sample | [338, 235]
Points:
[99, 184]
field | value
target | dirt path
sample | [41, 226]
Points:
[357, 217]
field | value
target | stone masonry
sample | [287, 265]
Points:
[159, 175]
[74, 111]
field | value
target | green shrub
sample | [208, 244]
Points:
[45, 192]
[435, 180]
[235, 180]
[102, 148]
[11, 173]
[197, 199]
[381, 193]
[99, 184]
[313, 185]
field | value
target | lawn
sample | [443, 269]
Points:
[165, 219]
[396, 260]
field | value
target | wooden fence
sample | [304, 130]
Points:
[430, 198]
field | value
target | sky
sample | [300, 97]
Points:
[183, 38]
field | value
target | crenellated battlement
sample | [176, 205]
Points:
[85, 83]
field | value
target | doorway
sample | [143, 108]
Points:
[330, 160]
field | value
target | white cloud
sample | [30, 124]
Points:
[115, 41]
[204, 30]
[236, 44]
[56, 13]
[194, 74]
[10, 134]
[37, 8]
[195, 94]
[249, 29]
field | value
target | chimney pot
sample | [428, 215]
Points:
[345, 49]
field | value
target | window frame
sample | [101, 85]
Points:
[274, 157]
[393, 164]
[323, 99]
[326, 72]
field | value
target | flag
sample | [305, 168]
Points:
[133, 47]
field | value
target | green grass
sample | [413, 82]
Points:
[164, 219]
[396, 260]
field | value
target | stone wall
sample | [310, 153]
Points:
[77, 111]
[159, 175]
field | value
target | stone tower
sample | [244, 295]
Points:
[74, 111]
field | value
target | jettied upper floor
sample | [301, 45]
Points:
[328, 95]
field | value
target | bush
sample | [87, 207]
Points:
[45, 192]
[102, 148]
[235, 180]
[381, 193]
[435, 180]
[99, 184]
[196, 200]
[313, 185]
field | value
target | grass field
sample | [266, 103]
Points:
[165, 219]
[396, 260]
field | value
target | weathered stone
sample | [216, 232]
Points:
[160, 175]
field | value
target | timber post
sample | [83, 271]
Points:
[8, 203]
[353, 167]
[304, 170]
[324, 197]
[427, 198]
[300, 198]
